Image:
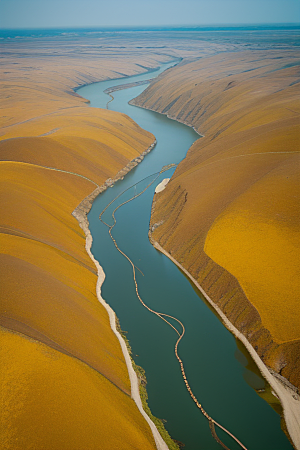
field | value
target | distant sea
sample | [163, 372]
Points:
[71, 32]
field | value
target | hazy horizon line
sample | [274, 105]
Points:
[158, 27]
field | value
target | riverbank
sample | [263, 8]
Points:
[216, 216]
[80, 213]
[58, 346]
[126, 86]
[118, 296]
[290, 400]
[203, 223]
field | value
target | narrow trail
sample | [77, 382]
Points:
[71, 173]
[54, 169]
[163, 316]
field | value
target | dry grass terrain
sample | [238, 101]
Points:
[65, 382]
[62, 402]
[231, 212]
[63, 366]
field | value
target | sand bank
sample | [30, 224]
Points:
[289, 399]
[120, 87]
[80, 213]
[161, 186]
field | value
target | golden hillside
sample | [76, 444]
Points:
[64, 380]
[231, 211]
[65, 383]
[60, 353]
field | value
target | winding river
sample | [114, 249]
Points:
[220, 372]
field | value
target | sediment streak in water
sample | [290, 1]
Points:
[212, 422]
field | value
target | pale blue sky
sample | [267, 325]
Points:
[100, 13]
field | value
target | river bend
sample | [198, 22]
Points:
[221, 374]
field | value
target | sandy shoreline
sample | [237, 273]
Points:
[80, 213]
[289, 399]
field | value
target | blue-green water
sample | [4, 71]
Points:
[208, 350]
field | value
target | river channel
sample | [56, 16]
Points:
[215, 366]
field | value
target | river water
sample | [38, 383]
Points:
[214, 365]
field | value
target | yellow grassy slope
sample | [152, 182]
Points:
[48, 294]
[37, 85]
[257, 239]
[53, 401]
[233, 203]
[65, 380]
[92, 142]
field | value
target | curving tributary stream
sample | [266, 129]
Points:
[217, 369]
